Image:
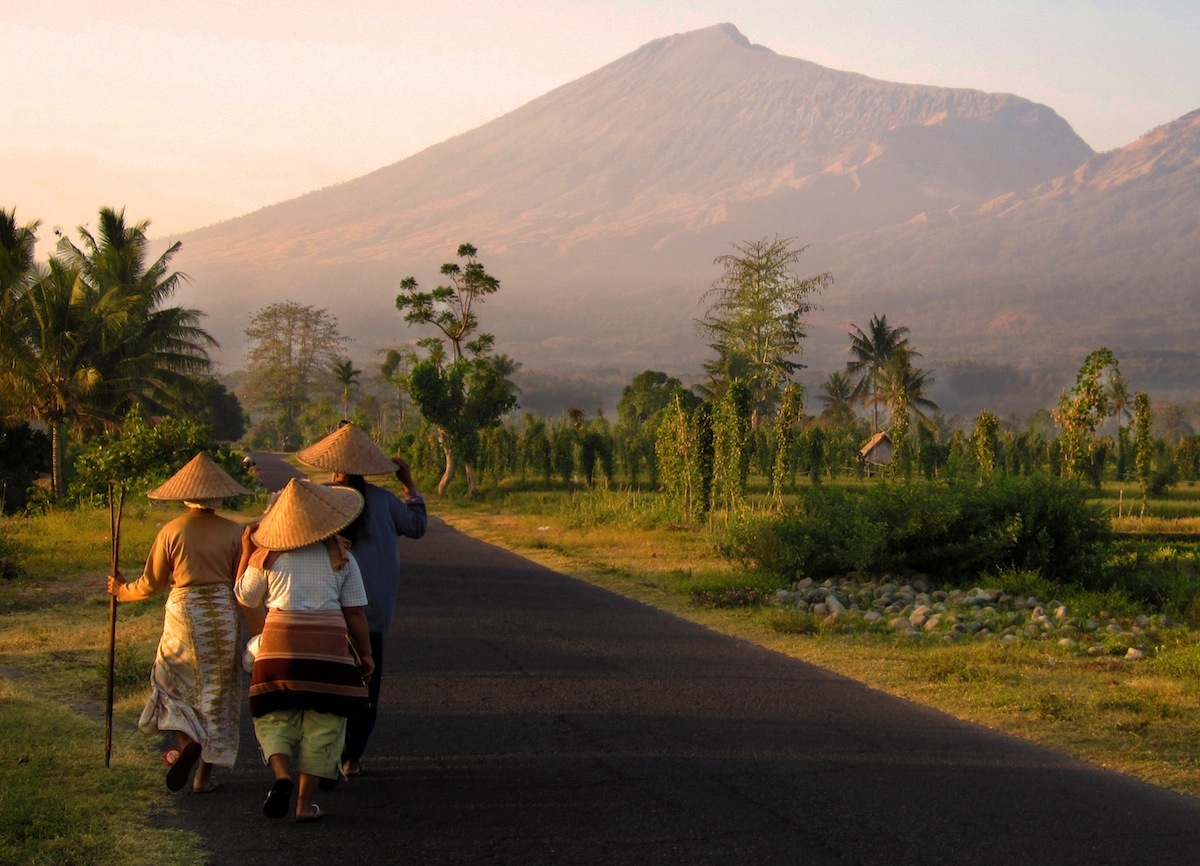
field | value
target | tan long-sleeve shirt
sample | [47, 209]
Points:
[198, 548]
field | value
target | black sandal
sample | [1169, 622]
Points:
[276, 804]
[177, 774]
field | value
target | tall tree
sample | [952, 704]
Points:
[901, 387]
[153, 354]
[89, 336]
[837, 397]
[451, 308]
[756, 319]
[461, 395]
[346, 376]
[292, 349]
[871, 350]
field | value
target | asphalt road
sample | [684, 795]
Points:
[529, 718]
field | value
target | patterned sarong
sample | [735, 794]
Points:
[304, 663]
[196, 681]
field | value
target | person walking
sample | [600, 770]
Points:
[196, 678]
[314, 653]
[350, 454]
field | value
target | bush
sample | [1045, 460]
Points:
[142, 456]
[953, 533]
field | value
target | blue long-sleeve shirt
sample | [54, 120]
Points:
[377, 549]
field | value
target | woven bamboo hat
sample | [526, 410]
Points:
[200, 478]
[306, 512]
[348, 449]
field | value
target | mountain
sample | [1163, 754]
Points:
[602, 204]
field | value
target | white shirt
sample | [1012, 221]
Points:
[303, 580]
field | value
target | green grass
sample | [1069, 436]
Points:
[59, 804]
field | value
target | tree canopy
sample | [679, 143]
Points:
[756, 319]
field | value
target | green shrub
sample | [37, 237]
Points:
[954, 533]
[141, 456]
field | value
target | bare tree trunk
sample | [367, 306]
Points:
[56, 457]
[448, 474]
[470, 473]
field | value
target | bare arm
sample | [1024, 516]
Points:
[356, 627]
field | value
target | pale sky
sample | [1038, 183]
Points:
[189, 112]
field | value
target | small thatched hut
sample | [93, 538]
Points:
[877, 451]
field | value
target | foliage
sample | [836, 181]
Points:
[1143, 455]
[292, 349]
[785, 430]
[451, 308]
[462, 396]
[871, 351]
[985, 442]
[757, 319]
[954, 533]
[1081, 410]
[141, 456]
[219, 409]
[461, 399]
[345, 374]
[731, 431]
[90, 335]
[24, 453]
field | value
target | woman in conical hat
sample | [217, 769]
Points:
[350, 454]
[195, 681]
[305, 681]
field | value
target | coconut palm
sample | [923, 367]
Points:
[872, 349]
[901, 387]
[89, 336]
[345, 374]
[837, 396]
[151, 354]
[49, 372]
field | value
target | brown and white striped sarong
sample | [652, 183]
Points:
[304, 662]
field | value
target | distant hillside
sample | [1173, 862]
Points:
[602, 204]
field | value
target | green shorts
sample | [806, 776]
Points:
[312, 740]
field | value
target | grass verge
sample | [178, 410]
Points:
[59, 804]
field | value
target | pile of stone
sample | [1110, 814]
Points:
[914, 608]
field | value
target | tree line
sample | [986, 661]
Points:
[90, 336]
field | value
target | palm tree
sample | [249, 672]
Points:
[901, 387]
[837, 396]
[152, 355]
[872, 350]
[16, 273]
[49, 371]
[89, 337]
[16, 255]
[346, 375]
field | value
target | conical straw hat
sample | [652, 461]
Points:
[201, 478]
[348, 449]
[306, 512]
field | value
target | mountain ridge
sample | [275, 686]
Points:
[601, 205]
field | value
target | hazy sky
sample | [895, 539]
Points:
[189, 112]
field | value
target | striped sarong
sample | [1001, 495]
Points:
[304, 663]
[196, 681]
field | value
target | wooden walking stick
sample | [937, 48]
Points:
[115, 509]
